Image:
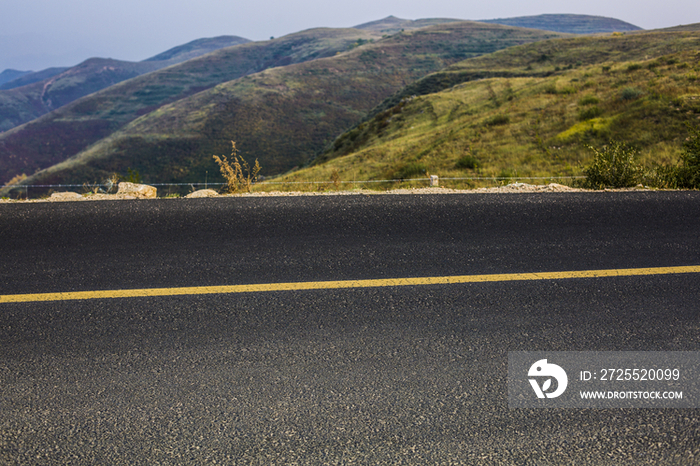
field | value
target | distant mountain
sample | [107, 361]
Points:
[197, 48]
[568, 24]
[32, 77]
[11, 75]
[392, 24]
[572, 24]
[26, 103]
[283, 116]
[72, 128]
[166, 124]
[36, 94]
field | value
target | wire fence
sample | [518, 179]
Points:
[179, 188]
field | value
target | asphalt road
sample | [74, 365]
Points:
[395, 375]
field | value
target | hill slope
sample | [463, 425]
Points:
[36, 94]
[282, 116]
[70, 129]
[529, 111]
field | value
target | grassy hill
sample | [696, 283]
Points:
[529, 111]
[574, 24]
[282, 116]
[67, 131]
[36, 94]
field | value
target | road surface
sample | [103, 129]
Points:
[412, 374]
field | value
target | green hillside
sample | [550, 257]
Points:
[529, 111]
[282, 116]
[72, 128]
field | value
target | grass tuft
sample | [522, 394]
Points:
[237, 172]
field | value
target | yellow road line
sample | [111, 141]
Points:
[329, 285]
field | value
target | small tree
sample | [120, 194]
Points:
[237, 172]
[613, 167]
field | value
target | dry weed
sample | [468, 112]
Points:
[237, 172]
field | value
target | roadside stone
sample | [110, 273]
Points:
[139, 191]
[202, 193]
[109, 197]
[66, 196]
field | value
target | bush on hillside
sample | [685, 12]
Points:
[684, 175]
[613, 167]
[497, 120]
[688, 172]
[468, 162]
[410, 170]
[630, 93]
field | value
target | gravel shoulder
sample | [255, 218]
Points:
[513, 188]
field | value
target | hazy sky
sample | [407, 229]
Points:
[36, 34]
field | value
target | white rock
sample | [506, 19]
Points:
[67, 196]
[202, 193]
[140, 191]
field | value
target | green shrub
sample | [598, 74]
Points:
[567, 90]
[688, 173]
[409, 170]
[589, 113]
[588, 100]
[661, 176]
[613, 167]
[634, 67]
[507, 174]
[497, 120]
[630, 93]
[133, 176]
[468, 162]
